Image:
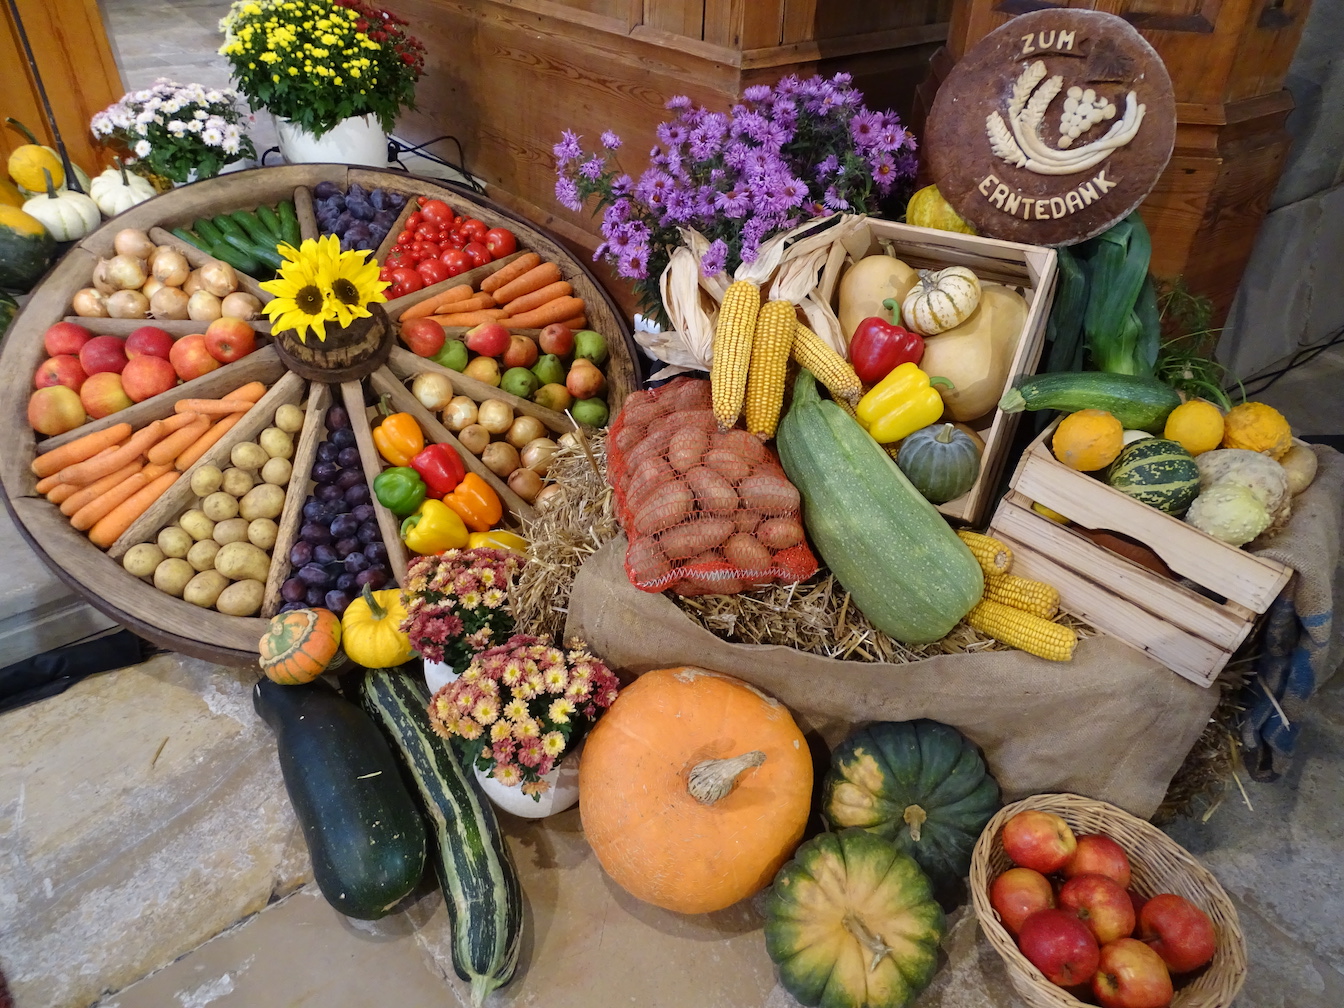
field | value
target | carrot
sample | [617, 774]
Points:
[84, 473]
[80, 449]
[99, 487]
[205, 442]
[179, 441]
[476, 302]
[213, 407]
[534, 279]
[177, 421]
[432, 304]
[470, 318]
[61, 492]
[524, 304]
[551, 311]
[252, 391]
[119, 519]
[507, 274]
[576, 323]
[94, 511]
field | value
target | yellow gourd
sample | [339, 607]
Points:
[26, 164]
[866, 284]
[943, 299]
[10, 195]
[1197, 426]
[976, 355]
[1088, 440]
[927, 208]
[1257, 427]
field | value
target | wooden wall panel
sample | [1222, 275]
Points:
[676, 17]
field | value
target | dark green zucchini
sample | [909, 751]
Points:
[480, 885]
[364, 832]
[1138, 402]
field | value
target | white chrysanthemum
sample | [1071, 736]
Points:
[231, 146]
[200, 114]
[177, 127]
[212, 136]
[214, 96]
[142, 148]
[194, 126]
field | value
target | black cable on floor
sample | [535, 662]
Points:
[1300, 359]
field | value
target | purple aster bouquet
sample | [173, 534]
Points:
[519, 707]
[786, 154]
[457, 603]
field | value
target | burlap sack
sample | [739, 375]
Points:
[1112, 723]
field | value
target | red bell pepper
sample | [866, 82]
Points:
[441, 467]
[880, 345]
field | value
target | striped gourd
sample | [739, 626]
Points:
[770, 345]
[732, 350]
[1157, 472]
[480, 885]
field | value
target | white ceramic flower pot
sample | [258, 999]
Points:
[438, 675]
[359, 140]
[563, 793]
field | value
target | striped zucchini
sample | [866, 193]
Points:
[480, 885]
[890, 548]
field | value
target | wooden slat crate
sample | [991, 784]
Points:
[1029, 269]
[1192, 634]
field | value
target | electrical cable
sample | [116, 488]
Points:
[1300, 359]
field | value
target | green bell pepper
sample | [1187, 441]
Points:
[400, 490]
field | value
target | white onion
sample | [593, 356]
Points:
[101, 281]
[524, 429]
[435, 391]
[537, 455]
[459, 413]
[500, 457]
[240, 305]
[474, 438]
[169, 303]
[219, 278]
[133, 242]
[203, 307]
[89, 303]
[525, 483]
[127, 304]
[126, 273]
[551, 493]
[192, 284]
[495, 415]
[153, 286]
[170, 267]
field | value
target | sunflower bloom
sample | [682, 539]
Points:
[301, 301]
[354, 286]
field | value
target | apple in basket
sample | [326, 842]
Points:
[1099, 854]
[1131, 975]
[1017, 894]
[1101, 903]
[1038, 840]
[1178, 931]
[1059, 945]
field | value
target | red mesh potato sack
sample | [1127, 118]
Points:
[706, 512]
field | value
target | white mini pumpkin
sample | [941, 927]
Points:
[117, 190]
[68, 215]
[941, 300]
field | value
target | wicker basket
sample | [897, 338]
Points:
[1158, 864]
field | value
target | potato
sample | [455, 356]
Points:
[686, 448]
[693, 537]
[172, 575]
[204, 589]
[746, 553]
[664, 507]
[772, 493]
[289, 418]
[174, 542]
[702, 583]
[239, 561]
[231, 530]
[237, 482]
[646, 562]
[646, 479]
[277, 472]
[248, 455]
[746, 519]
[202, 555]
[220, 506]
[262, 532]
[742, 444]
[206, 480]
[712, 492]
[265, 500]
[143, 559]
[276, 443]
[242, 598]
[727, 463]
[780, 533]
[197, 525]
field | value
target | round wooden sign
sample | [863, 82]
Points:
[1053, 127]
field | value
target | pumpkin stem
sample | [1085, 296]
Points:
[712, 779]
[51, 186]
[914, 815]
[121, 166]
[944, 435]
[22, 129]
[873, 943]
[377, 611]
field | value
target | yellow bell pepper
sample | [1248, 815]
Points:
[433, 528]
[901, 403]
[497, 539]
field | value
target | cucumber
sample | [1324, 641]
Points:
[241, 261]
[208, 230]
[289, 223]
[252, 227]
[364, 832]
[228, 226]
[192, 239]
[269, 220]
[267, 256]
[480, 885]
[1138, 402]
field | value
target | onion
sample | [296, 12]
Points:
[133, 242]
[500, 457]
[571, 440]
[474, 438]
[89, 303]
[126, 273]
[219, 278]
[537, 455]
[101, 281]
[168, 303]
[170, 267]
[435, 391]
[551, 493]
[524, 429]
[495, 415]
[459, 413]
[525, 483]
[240, 305]
[152, 287]
[203, 307]
[127, 304]
[192, 284]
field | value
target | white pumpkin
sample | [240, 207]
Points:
[941, 300]
[117, 190]
[68, 215]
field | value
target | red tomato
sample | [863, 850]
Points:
[426, 250]
[426, 231]
[385, 274]
[456, 261]
[408, 279]
[472, 229]
[437, 210]
[477, 253]
[413, 220]
[405, 238]
[500, 242]
[398, 253]
[432, 271]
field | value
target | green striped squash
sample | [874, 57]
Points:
[1157, 472]
[480, 885]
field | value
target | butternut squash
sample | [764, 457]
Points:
[976, 355]
[868, 283]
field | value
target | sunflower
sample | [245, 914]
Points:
[354, 285]
[302, 301]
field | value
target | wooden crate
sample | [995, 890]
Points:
[1191, 633]
[1027, 268]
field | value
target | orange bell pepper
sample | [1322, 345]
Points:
[477, 503]
[398, 438]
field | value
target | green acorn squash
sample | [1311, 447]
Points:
[26, 248]
[851, 923]
[941, 461]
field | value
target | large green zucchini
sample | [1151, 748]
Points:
[890, 548]
[365, 834]
[480, 885]
[1138, 402]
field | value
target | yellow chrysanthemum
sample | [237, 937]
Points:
[507, 774]
[553, 743]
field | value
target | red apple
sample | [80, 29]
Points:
[146, 376]
[1059, 945]
[65, 338]
[521, 352]
[63, 369]
[1131, 975]
[424, 336]
[1098, 854]
[1178, 931]
[1017, 894]
[227, 339]
[55, 410]
[557, 339]
[103, 353]
[1101, 903]
[190, 358]
[149, 341]
[489, 339]
[1039, 840]
[102, 394]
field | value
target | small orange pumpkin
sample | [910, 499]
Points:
[696, 789]
[299, 645]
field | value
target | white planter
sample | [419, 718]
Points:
[359, 141]
[438, 675]
[563, 793]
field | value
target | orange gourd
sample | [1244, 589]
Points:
[696, 788]
[299, 645]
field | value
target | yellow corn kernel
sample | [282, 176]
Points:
[993, 556]
[732, 350]
[1036, 597]
[832, 370]
[1023, 631]
[769, 360]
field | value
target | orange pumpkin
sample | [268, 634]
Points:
[299, 645]
[696, 788]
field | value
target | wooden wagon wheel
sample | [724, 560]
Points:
[354, 376]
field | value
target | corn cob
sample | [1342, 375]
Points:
[770, 346]
[832, 370]
[732, 350]
[995, 558]
[1036, 597]
[1023, 631]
